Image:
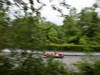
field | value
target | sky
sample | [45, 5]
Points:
[54, 16]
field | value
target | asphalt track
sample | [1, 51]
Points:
[73, 57]
[69, 57]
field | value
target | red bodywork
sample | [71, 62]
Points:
[57, 55]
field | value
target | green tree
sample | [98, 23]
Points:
[89, 23]
[71, 29]
[26, 33]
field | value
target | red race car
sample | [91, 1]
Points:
[56, 55]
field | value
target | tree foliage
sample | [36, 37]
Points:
[31, 31]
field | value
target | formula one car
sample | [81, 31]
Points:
[56, 55]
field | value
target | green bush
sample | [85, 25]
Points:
[5, 66]
[73, 47]
[30, 65]
[89, 68]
